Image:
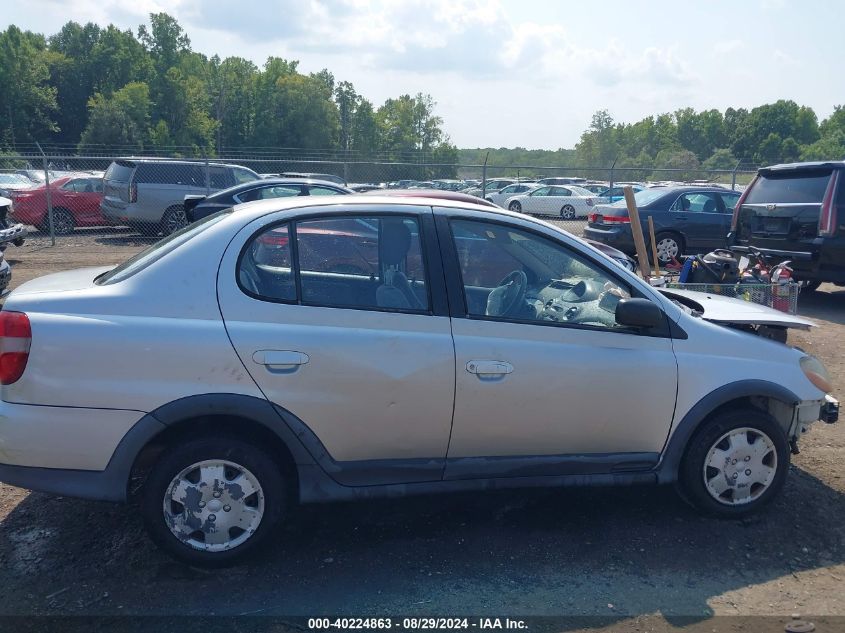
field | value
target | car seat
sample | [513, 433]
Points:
[396, 291]
[709, 206]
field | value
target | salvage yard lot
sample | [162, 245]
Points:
[613, 553]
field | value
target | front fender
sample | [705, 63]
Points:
[673, 452]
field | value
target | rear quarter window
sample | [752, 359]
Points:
[805, 187]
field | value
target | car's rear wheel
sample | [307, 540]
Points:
[515, 207]
[567, 212]
[174, 219]
[63, 222]
[213, 501]
[669, 246]
[736, 463]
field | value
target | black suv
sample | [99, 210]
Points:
[796, 212]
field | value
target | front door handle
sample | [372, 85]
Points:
[279, 358]
[489, 367]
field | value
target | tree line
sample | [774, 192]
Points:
[89, 87]
[693, 142]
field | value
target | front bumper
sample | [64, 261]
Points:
[15, 233]
[830, 410]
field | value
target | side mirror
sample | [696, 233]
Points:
[638, 313]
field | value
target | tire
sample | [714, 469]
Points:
[567, 212]
[704, 471]
[669, 246]
[238, 465]
[63, 222]
[174, 219]
[515, 207]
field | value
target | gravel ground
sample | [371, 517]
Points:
[611, 553]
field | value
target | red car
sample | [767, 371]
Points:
[76, 202]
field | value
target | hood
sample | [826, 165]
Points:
[730, 310]
[78, 279]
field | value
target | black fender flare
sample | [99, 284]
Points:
[114, 480]
[673, 452]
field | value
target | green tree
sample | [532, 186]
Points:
[73, 75]
[27, 100]
[117, 59]
[347, 101]
[769, 150]
[676, 159]
[365, 130]
[830, 147]
[722, 158]
[120, 120]
[232, 88]
[299, 112]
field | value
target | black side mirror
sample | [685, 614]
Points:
[638, 313]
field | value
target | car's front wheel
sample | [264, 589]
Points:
[736, 463]
[212, 501]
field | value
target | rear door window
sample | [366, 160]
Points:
[219, 178]
[807, 187]
[323, 191]
[730, 200]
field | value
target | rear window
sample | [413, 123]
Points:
[158, 250]
[120, 172]
[644, 197]
[807, 187]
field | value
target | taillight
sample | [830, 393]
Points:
[15, 339]
[273, 240]
[133, 193]
[617, 219]
[827, 217]
[591, 217]
[739, 203]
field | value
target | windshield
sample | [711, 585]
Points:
[150, 255]
[644, 197]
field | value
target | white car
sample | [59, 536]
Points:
[568, 202]
[500, 197]
[307, 349]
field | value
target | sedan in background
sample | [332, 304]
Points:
[568, 202]
[500, 197]
[617, 193]
[198, 207]
[687, 220]
[13, 182]
[76, 202]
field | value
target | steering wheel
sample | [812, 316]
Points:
[506, 298]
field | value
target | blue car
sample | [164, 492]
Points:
[687, 220]
[615, 193]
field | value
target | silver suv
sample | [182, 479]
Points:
[148, 193]
[306, 349]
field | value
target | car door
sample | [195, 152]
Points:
[361, 357]
[536, 201]
[90, 198]
[539, 390]
[700, 214]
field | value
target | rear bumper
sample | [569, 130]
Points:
[617, 237]
[794, 256]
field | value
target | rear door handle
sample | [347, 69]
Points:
[279, 358]
[489, 367]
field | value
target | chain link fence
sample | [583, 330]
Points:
[111, 199]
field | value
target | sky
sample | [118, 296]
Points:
[518, 73]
